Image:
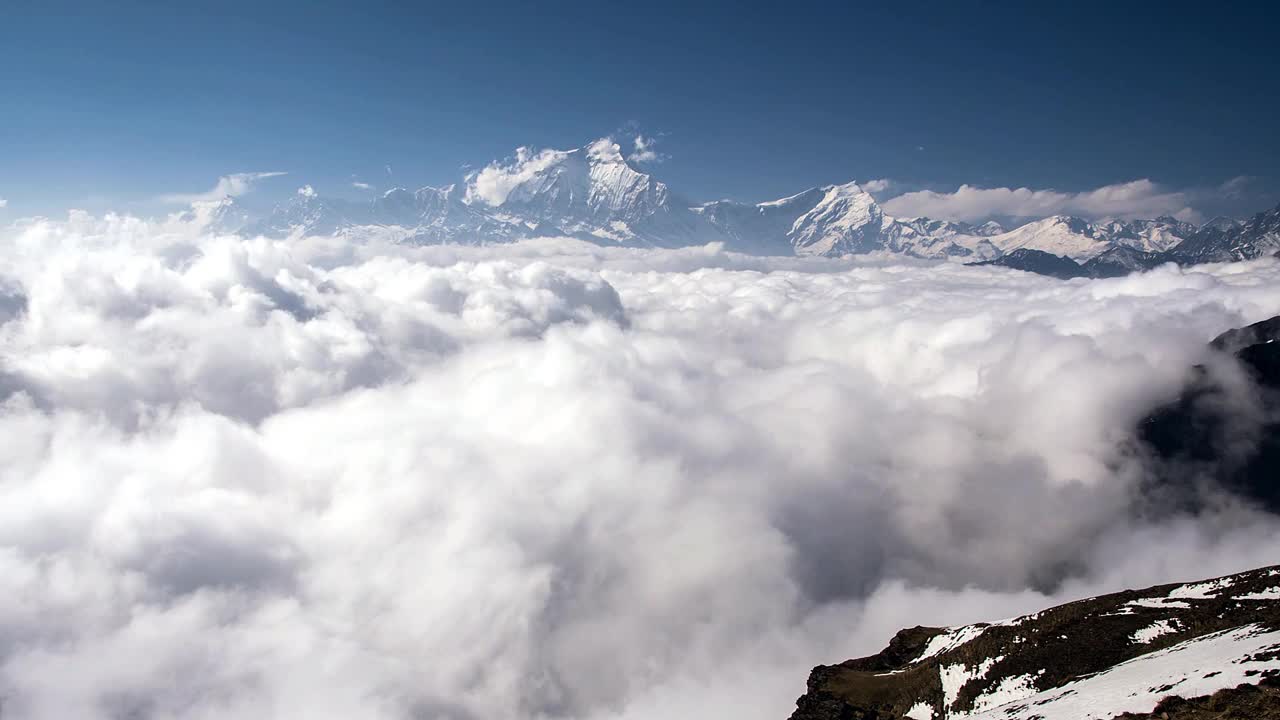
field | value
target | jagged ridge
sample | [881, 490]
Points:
[594, 193]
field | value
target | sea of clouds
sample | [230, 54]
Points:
[341, 477]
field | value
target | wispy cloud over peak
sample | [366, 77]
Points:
[604, 150]
[880, 185]
[644, 150]
[232, 185]
[493, 183]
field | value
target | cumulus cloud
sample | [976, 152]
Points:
[878, 185]
[339, 477]
[1139, 198]
[494, 183]
[232, 185]
[606, 149]
[644, 151]
[307, 191]
[3, 203]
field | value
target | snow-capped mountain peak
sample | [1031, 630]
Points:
[1063, 235]
[846, 220]
[594, 193]
[591, 192]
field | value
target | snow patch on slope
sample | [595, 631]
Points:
[1010, 689]
[920, 711]
[1200, 666]
[1201, 591]
[1157, 603]
[950, 640]
[1156, 629]
[954, 677]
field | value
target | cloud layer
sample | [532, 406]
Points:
[330, 479]
[1135, 199]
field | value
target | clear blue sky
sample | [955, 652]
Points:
[116, 103]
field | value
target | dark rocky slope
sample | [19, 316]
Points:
[1116, 262]
[1039, 262]
[1151, 643]
[1223, 432]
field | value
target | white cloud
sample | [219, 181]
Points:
[644, 150]
[1139, 198]
[604, 150]
[361, 185]
[232, 185]
[307, 191]
[499, 182]
[555, 479]
[879, 185]
[1236, 186]
[493, 184]
[3, 203]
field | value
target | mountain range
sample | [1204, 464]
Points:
[596, 194]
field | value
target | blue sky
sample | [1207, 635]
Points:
[117, 104]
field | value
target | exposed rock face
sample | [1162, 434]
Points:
[1039, 262]
[1259, 237]
[1121, 260]
[1098, 658]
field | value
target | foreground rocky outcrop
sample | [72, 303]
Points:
[1174, 652]
[1209, 649]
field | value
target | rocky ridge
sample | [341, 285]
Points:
[1117, 656]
